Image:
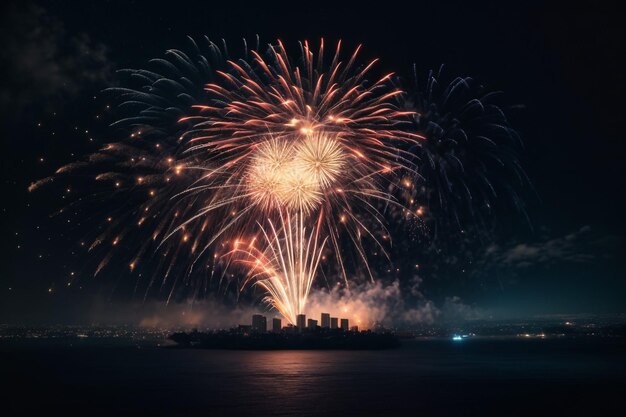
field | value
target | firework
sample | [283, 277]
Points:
[468, 159]
[280, 176]
[297, 153]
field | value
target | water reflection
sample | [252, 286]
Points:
[325, 380]
[427, 378]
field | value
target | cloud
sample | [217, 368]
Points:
[580, 246]
[454, 310]
[43, 63]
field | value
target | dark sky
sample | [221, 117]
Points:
[559, 68]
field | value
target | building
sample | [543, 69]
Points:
[354, 328]
[276, 325]
[325, 322]
[334, 323]
[344, 325]
[312, 324]
[244, 328]
[259, 323]
[301, 321]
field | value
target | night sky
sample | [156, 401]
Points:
[558, 68]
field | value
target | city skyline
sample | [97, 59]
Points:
[259, 323]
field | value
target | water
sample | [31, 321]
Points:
[501, 377]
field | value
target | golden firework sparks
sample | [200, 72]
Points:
[271, 146]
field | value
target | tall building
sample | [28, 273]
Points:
[334, 323]
[312, 324]
[301, 321]
[344, 325]
[276, 325]
[259, 323]
[325, 320]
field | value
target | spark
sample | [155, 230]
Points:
[320, 157]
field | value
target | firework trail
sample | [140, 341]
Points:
[293, 155]
[286, 265]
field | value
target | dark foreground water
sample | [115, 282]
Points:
[503, 377]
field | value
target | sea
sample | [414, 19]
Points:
[507, 376]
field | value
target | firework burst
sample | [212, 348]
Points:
[469, 158]
[293, 152]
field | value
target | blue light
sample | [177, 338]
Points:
[457, 337]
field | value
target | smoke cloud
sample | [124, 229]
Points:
[388, 305]
[367, 306]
